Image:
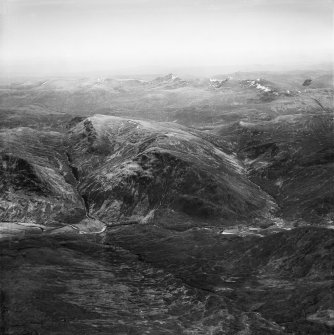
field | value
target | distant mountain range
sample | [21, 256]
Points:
[167, 206]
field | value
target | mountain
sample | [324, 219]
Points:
[291, 157]
[170, 81]
[60, 189]
[132, 206]
[218, 83]
[118, 169]
[133, 169]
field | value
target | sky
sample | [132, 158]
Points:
[120, 36]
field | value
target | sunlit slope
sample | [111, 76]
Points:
[131, 170]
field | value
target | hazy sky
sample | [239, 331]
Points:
[59, 36]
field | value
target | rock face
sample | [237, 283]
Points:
[131, 170]
[36, 182]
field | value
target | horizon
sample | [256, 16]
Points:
[141, 37]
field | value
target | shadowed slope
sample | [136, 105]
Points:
[36, 182]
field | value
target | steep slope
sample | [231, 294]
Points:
[131, 170]
[36, 182]
[291, 157]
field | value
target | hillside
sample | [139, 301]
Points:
[291, 157]
[130, 169]
[163, 205]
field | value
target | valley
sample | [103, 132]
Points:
[167, 205]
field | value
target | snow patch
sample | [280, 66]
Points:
[232, 160]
